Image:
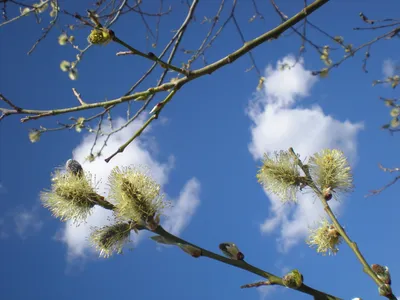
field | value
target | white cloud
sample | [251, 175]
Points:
[284, 86]
[266, 290]
[389, 67]
[137, 153]
[279, 124]
[183, 208]
[27, 222]
[22, 221]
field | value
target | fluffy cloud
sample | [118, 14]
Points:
[277, 124]
[388, 68]
[266, 291]
[22, 221]
[27, 222]
[183, 208]
[137, 153]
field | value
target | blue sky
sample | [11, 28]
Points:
[205, 151]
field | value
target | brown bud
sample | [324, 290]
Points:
[327, 192]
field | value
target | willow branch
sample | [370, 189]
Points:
[32, 9]
[209, 69]
[366, 268]
[273, 279]
[387, 35]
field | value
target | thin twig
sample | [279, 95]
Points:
[32, 9]
[375, 192]
[2, 97]
[126, 144]
[244, 41]
[151, 56]
[390, 170]
[177, 38]
[255, 284]
[46, 31]
[78, 96]
[147, 123]
[354, 51]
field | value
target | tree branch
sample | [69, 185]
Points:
[366, 268]
[273, 279]
[241, 264]
[272, 34]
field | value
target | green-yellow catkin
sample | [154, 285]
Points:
[325, 238]
[394, 123]
[395, 112]
[65, 65]
[280, 175]
[34, 135]
[71, 197]
[25, 11]
[136, 195]
[100, 36]
[111, 239]
[325, 56]
[324, 73]
[63, 39]
[260, 83]
[40, 7]
[294, 279]
[330, 170]
[73, 74]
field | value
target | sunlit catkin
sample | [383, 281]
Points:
[136, 195]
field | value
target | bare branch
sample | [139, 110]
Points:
[78, 96]
[375, 192]
[390, 170]
[387, 35]
[16, 108]
[256, 284]
[151, 56]
[209, 69]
